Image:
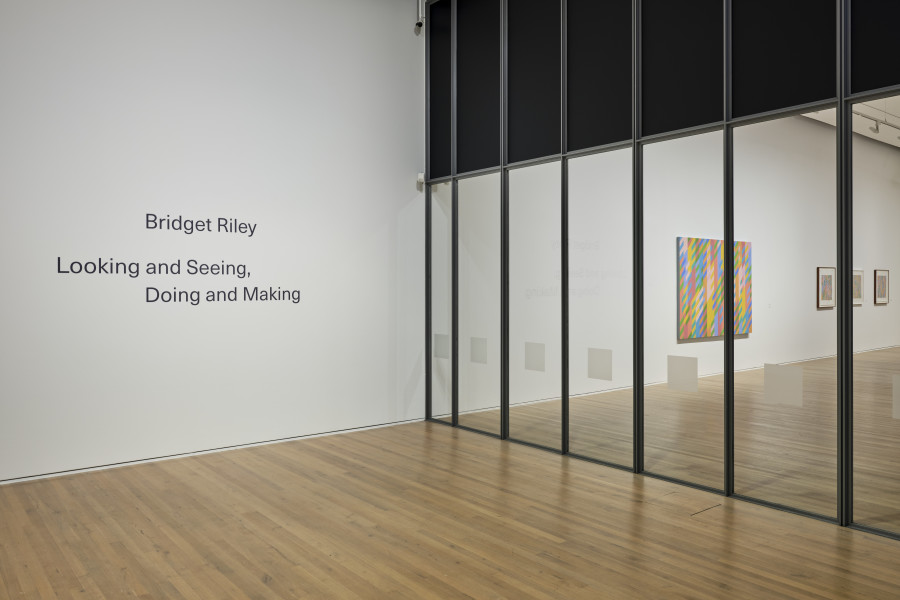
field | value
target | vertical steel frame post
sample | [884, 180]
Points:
[564, 228]
[454, 286]
[728, 255]
[428, 376]
[504, 223]
[637, 190]
[454, 243]
[845, 268]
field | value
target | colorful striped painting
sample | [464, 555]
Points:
[701, 310]
[827, 289]
[881, 287]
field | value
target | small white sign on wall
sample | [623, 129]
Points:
[600, 364]
[682, 373]
[478, 350]
[534, 356]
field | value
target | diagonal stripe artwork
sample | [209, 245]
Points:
[701, 310]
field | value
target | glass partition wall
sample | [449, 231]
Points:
[785, 360]
[601, 348]
[656, 244]
[441, 301]
[684, 321]
[876, 314]
[479, 303]
[535, 330]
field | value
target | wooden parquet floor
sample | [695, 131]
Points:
[414, 511]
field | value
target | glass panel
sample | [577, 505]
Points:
[535, 312]
[872, 44]
[876, 314]
[534, 79]
[441, 301]
[478, 84]
[601, 372]
[479, 303]
[681, 64]
[683, 309]
[439, 85]
[785, 380]
[599, 78]
[765, 32]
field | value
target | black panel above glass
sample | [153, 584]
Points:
[478, 84]
[599, 72]
[873, 44]
[534, 78]
[682, 64]
[439, 88]
[783, 54]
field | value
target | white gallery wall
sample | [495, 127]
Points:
[299, 122]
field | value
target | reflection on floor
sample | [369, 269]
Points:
[783, 454]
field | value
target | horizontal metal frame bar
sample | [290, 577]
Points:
[478, 431]
[533, 445]
[600, 462]
[786, 508]
[479, 172]
[690, 484]
[531, 162]
[878, 94]
[600, 149]
[681, 133]
[671, 135]
[784, 112]
[875, 530]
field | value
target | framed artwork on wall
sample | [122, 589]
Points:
[825, 287]
[882, 286]
[857, 288]
[701, 293]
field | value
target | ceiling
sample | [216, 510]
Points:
[885, 112]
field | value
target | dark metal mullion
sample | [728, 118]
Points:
[637, 190]
[504, 225]
[428, 314]
[454, 319]
[428, 331]
[453, 89]
[845, 270]
[564, 227]
[728, 257]
[454, 229]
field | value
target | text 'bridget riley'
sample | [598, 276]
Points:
[191, 226]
